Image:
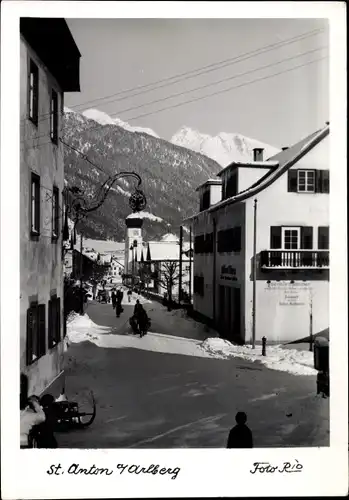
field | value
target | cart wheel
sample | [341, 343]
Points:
[86, 410]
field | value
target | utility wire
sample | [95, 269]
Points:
[198, 71]
[226, 90]
[217, 82]
[209, 85]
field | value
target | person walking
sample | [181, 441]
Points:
[119, 297]
[143, 321]
[129, 295]
[240, 436]
[113, 298]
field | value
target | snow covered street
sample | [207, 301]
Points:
[180, 386]
[82, 328]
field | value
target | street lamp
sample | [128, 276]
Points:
[132, 265]
[78, 208]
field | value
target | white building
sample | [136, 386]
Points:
[288, 197]
[49, 66]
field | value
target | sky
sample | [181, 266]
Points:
[123, 54]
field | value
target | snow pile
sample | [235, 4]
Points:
[82, 328]
[277, 358]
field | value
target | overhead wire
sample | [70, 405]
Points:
[199, 71]
[214, 83]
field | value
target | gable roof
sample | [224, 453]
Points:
[286, 158]
[164, 250]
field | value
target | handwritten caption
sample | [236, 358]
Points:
[286, 467]
[58, 470]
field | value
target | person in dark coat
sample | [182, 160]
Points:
[113, 298]
[129, 295]
[143, 321]
[45, 432]
[137, 308]
[240, 436]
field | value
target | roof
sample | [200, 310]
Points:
[286, 160]
[165, 250]
[210, 182]
[261, 164]
[54, 44]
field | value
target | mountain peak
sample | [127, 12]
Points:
[224, 148]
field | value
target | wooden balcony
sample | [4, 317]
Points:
[295, 259]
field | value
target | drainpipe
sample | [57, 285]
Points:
[214, 269]
[254, 274]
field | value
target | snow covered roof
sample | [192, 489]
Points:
[144, 215]
[165, 250]
[209, 182]
[261, 164]
[286, 159]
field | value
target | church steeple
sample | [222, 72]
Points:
[133, 239]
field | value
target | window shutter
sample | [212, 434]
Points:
[292, 181]
[275, 237]
[58, 320]
[41, 330]
[29, 348]
[237, 245]
[325, 184]
[37, 205]
[307, 238]
[323, 238]
[50, 324]
[318, 181]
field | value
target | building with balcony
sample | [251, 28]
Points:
[264, 245]
[49, 66]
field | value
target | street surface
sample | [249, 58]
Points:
[150, 399]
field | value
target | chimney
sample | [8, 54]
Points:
[284, 148]
[258, 154]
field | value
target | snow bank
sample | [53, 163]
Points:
[278, 358]
[82, 328]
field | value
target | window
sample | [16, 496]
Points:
[54, 116]
[232, 185]
[229, 240]
[54, 321]
[290, 238]
[55, 213]
[36, 332]
[306, 181]
[33, 92]
[35, 204]
[323, 239]
[205, 199]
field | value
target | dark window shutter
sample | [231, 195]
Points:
[58, 320]
[325, 178]
[29, 348]
[37, 205]
[41, 330]
[237, 239]
[318, 181]
[275, 237]
[307, 238]
[50, 324]
[292, 181]
[323, 238]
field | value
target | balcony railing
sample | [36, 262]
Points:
[295, 259]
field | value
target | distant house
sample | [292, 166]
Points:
[289, 226]
[49, 66]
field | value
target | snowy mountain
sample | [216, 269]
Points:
[223, 148]
[170, 174]
[104, 119]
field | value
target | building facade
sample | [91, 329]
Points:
[49, 66]
[262, 251]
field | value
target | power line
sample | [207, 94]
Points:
[227, 90]
[218, 81]
[199, 71]
[209, 85]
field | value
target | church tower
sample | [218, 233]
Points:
[133, 239]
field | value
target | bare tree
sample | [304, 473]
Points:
[144, 274]
[169, 277]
